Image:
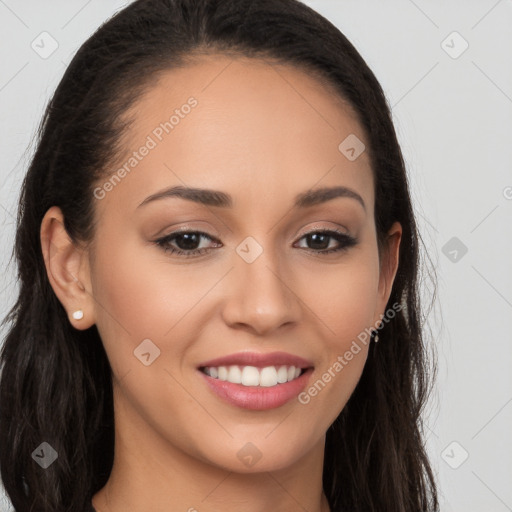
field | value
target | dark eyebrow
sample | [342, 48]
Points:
[223, 200]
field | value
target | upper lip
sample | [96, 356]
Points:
[259, 360]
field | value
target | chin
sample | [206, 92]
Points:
[256, 454]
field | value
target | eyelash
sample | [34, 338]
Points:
[345, 240]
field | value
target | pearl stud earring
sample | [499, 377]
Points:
[78, 315]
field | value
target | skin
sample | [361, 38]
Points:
[262, 133]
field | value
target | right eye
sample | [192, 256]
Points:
[186, 241]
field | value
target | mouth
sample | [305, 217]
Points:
[257, 381]
[268, 376]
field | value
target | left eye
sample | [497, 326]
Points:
[187, 242]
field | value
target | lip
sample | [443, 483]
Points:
[257, 398]
[259, 360]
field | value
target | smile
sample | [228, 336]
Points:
[268, 376]
[256, 381]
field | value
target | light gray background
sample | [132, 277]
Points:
[454, 121]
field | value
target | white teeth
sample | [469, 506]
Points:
[282, 375]
[268, 376]
[235, 375]
[223, 373]
[252, 376]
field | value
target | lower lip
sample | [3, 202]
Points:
[256, 397]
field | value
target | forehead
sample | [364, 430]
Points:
[222, 121]
[239, 85]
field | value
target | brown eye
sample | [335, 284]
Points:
[318, 241]
[184, 243]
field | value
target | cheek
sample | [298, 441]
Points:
[345, 301]
[139, 295]
[134, 288]
[132, 302]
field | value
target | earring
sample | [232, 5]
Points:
[375, 336]
[78, 315]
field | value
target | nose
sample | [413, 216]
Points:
[261, 295]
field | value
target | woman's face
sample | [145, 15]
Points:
[262, 136]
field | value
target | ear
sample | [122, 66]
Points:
[388, 268]
[67, 267]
